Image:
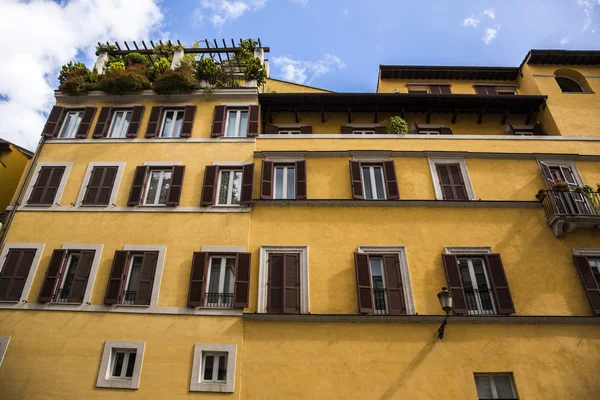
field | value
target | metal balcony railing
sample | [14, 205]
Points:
[218, 300]
[62, 296]
[571, 203]
[479, 302]
[129, 297]
[380, 302]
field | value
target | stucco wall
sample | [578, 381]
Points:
[14, 166]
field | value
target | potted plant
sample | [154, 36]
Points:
[396, 125]
[598, 186]
[541, 195]
[560, 185]
[179, 80]
[585, 189]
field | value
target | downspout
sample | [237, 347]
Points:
[22, 190]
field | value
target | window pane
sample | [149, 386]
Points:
[595, 266]
[130, 365]
[134, 276]
[168, 125]
[178, 122]
[208, 368]
[116, 124]
[379, 182]
[229, 275]
[222, 368]
[464, 272]
[152, 187]
[291, 183]
[479, 274]
[118, 363]
[367, 183]
[224, 187]
[231, 119]
[71, 124]
[215, 275]
[237, 187]
[484, 390]
[377, 272]
[243, 123]
[279, 182]
[503, 387]
[63, 293]
[164, 190]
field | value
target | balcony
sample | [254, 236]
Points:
[218, 300]
[479, 302]
[567, 210]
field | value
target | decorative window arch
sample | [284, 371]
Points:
[571, 81]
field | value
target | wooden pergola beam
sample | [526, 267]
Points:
[504, 117]
[480, 116]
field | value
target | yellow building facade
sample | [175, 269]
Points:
[278, 242]
[13, 161]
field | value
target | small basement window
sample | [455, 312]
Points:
[213, 368]
[122, 363]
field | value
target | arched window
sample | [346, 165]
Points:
[568, 85]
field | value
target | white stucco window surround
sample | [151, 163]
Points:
[39, 249]
[88, 174]
[463, 170]
[93, 270]
[198, 382]
[105, 374]
[263, 275]
[591, 252]
[4, 340]
[468, 250]
[160, 264]
[400, 251]
[61, 186]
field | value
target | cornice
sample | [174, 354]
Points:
[148, 95]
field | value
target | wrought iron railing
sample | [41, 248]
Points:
[570, 203]
[479, 302]
[62, 296]
[379, 301]
[129, 297]
[219, 300]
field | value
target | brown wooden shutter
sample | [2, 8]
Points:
[300, 180]
[14, 273]
[275, 284]
[137, 187]
[53, 274]
[434, 89]
[116, 279]
[188, 121]
[307, 129]
[136, 120]
[241, 289]
[364, 286]
[271, 129]
[486, 90]
[266, 182]
[538, 130]
[589, 282]
[391, 181]
[445, 89]
[103, 123]
[393, 283]
[380, 130]
[499, 284]
[458, 183]
[480, 90]
[218, 124]
[154, 122]
[144, 288]
[81, 276]
[291, 288]
[445, 131]
[174, 193]
[253, 121]
[86, 122]
[53, 123]
[198, 278]
[100, 186]
[46, 186]
[356, 180]
[209, 188]
[455, 283]
[546, 174]
[346, 129]
[247, 184]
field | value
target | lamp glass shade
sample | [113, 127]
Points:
[445, 298]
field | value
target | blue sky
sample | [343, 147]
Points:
[337, 45]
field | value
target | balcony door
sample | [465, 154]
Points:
[567, 202]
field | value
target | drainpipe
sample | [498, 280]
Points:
[22, 190]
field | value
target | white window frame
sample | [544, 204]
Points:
[363, 131]
[129, 270]
[493, 383]
[4, 341]
[39, 249]
[474, 284]
[61, 186]
[285, 181]
[385, 300]
[73, 131]
[373, 181]
[112, 123]
[160, 264]
[506, 90]
[229, 187]
[105, 379]
[175, 112]
[263, 275]
[439, 195]
[87, 295]
[216, 358]
[562, 163]
[197, 384]
[223, 269]
[159, 186]
[238, 120]
[126, 356]
[88, 175]
[289, 132]
[400, 252]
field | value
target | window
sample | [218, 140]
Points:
[372, 176]
[172, 122]
[451, 179]
[285, 182]
[587, 263]
[378, 280]
[100, 186]
[119, 124]
[15, 271]
[476, 286]
[75, 260]
[428, 89]
[568, 85]
[495, 386]
[492, 90]
[156, 185]
[594, 264]
[230, 187]
[363, 132]
[121, 365]
[432, 129]
[506, 92]
[157, 188]
[568, 202]
[536, 129]
[70, 124]
[47, 184]
[374, 181]
[237, 123]
[221, 278]
[213, 368]
[288, 132]
[4, 340]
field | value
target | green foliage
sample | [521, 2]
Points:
[255, 71]
[123, 81]
[136, 59]
[75, 85]
[180, 80]
[70, 68]
[161, 65]
[105, 47]
[115, 65]
[76, 79]
[206, 69]
[396, 125]
[191, 58]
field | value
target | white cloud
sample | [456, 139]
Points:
[344, 12]
[490, 13]
[490, 34]
[588, 10]
[221, 11]
[302, 3]
[306, 71]
[471, 21]
[564, 41]
[33, 51]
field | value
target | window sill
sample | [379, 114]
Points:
[152, 205]
[94, 205]
[9, 301]
[54, 303]
[227, 205]
[133, 305]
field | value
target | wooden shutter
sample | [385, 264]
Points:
[103, 122]
[154, 122]
[86, 122]
[291, 287]
[499, 284]
[546, 174]
[53, 123]
[538, 130]
[53, 275]
[271, 129]
[14, 273]
[451, 182]
[188, 121]
[135, 122]
[445, 89]
[455, 283]
[435, 89]
[345, 129]
[356, 180]
[445, 131]
[209, 188]
[241, 289]
[486, 90]
[589, 282]
[116, 279]
[266, 181]
[307, 129]
[253, 121]
[380, 130]
[458, 184]
[247, 184]
[275, 284]
[137, 187]
[480, 90]
[218, 124]
[198, 278]
[364, 286]
[81, 276]
[46, 186]
[300, 180]
[144, 288]
[174, 193]
[393, 283]
[391, 181]
[100, 186]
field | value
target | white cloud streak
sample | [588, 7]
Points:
[221, 11]
[302, 3]
[588, 10]
[564, 41]
[471, 21]
[40, 36]
[306, 71]
[490, 35]
[491, 14]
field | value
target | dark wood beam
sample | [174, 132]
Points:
[428, 119]
[402, 113]
[504, 117]
[375, 117]
[269, 115]
[296, 115]
[454, 115]
[126, 45]
[322, 115]
[349, 116]
[529, 117]
[135, 44]
[480, 117]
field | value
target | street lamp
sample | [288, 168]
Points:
[445, 298]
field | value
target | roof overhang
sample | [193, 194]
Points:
[563, 57]
[440, 72]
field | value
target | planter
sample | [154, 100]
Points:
[561, 188]
[541, 195]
